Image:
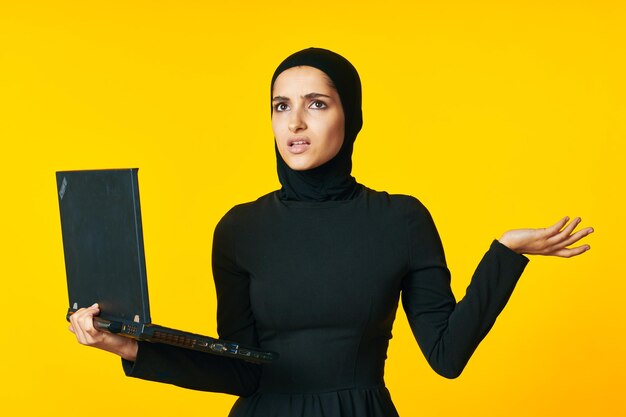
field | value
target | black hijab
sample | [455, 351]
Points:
[331, 180]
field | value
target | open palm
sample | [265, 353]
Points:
[550, 241]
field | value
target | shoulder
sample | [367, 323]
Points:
[402, 211]
[250, 207]
[247, 211]
[400, 203]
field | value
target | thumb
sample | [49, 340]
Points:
[95, 308]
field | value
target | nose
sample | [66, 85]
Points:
[296, 120]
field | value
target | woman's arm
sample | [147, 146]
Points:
[184, 367]
[449, 332]
[235, 322]
[549, 241]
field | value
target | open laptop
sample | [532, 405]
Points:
[105, 261]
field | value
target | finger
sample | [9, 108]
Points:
[564, 234]
[93, 309]
[75, 322]
[575, 238]
[87, 323]
[84, 322]
[558, 226]
[568, 253]
[78, 315]
[71, 329]
[92, 333]
[554, 229]
[80, 331]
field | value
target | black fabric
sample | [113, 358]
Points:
[320, 283]
[332, 180]
[315, 272]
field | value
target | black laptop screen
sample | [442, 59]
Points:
[103, 242]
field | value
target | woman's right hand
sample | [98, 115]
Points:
[81, 324]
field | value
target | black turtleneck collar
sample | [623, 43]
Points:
[331, 181]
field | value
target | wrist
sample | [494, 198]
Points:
[506, 242]
[129, 351]
[124, 347]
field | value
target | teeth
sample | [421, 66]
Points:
[299, 142]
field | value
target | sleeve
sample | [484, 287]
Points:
[448, 332]
[235, 322]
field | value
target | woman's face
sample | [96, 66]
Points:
[307, 118]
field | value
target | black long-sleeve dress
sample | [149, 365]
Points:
[319, 283]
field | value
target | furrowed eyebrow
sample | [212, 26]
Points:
[308, 96]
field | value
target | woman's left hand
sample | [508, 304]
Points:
[550, 241]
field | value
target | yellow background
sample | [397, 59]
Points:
[496, 115]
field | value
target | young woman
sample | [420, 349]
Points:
[315, 270]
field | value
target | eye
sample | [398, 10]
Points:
[317, 104]
[281, 107]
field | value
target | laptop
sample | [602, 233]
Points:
[105, 261]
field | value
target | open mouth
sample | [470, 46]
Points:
[298, 145]
[298, 142]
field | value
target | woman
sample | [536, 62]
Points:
[314, 271]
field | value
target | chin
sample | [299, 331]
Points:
[301, 165]
[297, 162]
